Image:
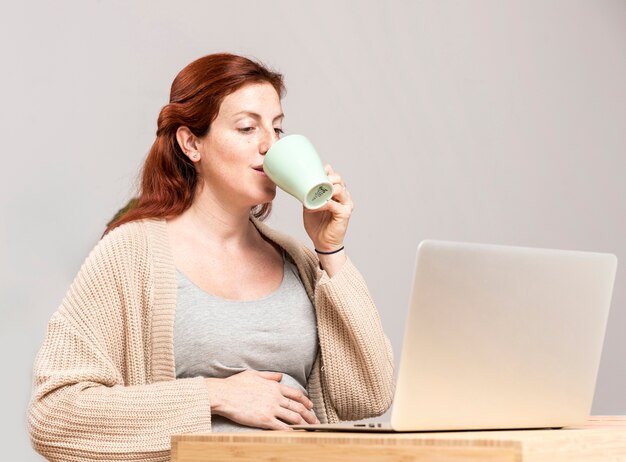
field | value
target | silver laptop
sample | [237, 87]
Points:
[499, 337]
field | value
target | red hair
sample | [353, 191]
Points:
[169, 178]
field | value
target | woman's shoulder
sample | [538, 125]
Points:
[132, 240]
[128, 234]
[143, 230]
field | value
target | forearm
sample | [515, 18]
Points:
[134, 423]
[356, 354]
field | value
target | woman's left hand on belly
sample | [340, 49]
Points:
[257, 399]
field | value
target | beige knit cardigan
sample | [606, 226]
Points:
[104, 379]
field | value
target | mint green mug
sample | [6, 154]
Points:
[294, 165]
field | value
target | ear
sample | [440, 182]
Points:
[188, 143]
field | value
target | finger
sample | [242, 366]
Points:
[323, 208]
[337, 208]
[290, 417]
[302, 411]
[339, 204]
[277, 376]
[335, 178]
[344, 197]
[296, 395]
[276, 424]
[293, 405]
[328, 169]
[310, 417]
[339, 192]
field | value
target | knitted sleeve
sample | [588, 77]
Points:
[357, 360]
[93, 396]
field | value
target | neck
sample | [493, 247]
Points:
[218, 222]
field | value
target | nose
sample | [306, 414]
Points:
[266, 143]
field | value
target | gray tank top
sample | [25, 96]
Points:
[216, 337]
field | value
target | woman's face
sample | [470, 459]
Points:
[232, 152]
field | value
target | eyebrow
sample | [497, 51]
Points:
[258, 116]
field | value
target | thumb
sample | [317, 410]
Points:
[323, 208]
[277, 376]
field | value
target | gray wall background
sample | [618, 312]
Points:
[489, 121]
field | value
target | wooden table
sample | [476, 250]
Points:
[603, 438]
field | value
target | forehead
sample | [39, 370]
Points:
[260, 98]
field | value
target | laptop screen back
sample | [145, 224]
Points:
[502, 337]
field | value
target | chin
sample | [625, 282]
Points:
[271, 193]
[268, 195]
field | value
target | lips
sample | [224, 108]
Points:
[259, 168]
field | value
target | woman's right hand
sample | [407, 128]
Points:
[257, 399]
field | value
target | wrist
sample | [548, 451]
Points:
[327, 247]
[332, 263]
[214, 387]
[328, 252]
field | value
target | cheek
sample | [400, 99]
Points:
[236, 146]
[228, 154]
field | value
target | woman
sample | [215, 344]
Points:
[191, 315]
